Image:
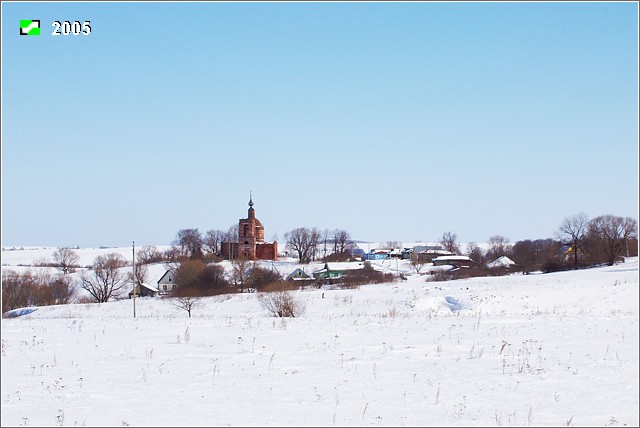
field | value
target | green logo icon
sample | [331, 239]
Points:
[29, 27]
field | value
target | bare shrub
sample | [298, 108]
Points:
[281, 303]
[466, 272]
[259, 278]
[194, 278]
[439, 276]
[39, 289]
[338, 257]
[366, 275]
[15, 290]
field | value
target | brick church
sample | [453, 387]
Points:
[250, 243]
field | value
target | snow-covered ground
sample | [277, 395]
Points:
[521, 350]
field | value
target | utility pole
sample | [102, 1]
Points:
[134, 278]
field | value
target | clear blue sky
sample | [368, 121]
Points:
[393, 121]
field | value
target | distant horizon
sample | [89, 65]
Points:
[394, 121]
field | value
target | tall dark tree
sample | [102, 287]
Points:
[325, 239]
[314, 236]
[609, 233]
[630, 232]
[303, 241]
[189, 242]
[61, 290]
[498, 246]
[532, 255]
[341, 241]
[212, 241]
[573, 231]
[475, 252]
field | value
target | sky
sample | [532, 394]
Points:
[557, 349]
[393, 121]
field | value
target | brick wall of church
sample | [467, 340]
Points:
[267, 251]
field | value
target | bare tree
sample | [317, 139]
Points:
[498, 246]
[474, 252]
[15, 290]
[524, 255]
[241, 270]
[314, 237]
[325, 238]
[106, 278]
[573, 230]
[149, 254]
[630, 230]
[189, 242]
[417, 263]
[448, 242]
[141, 276]
[212, 241]
[393, 245]
[187, 303]
[302, 241]
[62, 291]
[232, 234]
[610, 233]
[39, 289]
[341, 241]
[66, 259]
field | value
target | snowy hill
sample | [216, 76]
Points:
[542, 350]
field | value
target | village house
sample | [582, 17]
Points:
[336, 270]
[144, 290]
[166, 283]
[455, 261]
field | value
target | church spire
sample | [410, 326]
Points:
[252, 212]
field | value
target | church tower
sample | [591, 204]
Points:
[250, 233]
[250, 243]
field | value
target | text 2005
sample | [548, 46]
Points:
[74, 28]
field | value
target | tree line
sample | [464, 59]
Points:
[579, 242]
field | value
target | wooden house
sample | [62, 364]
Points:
[144, 290]
[336, 270]
[166, 283]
